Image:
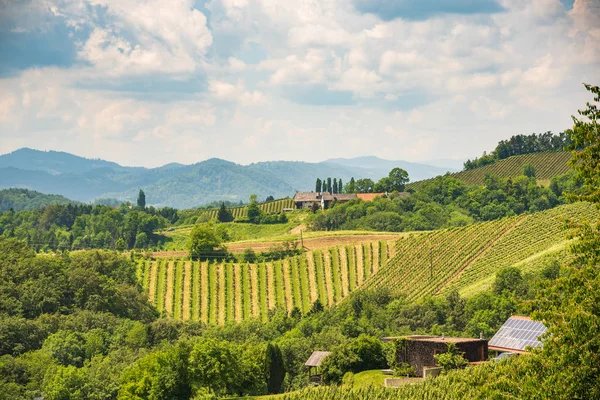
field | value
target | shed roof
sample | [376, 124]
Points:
[316, 358]
[516, 334]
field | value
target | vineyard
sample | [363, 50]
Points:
[438, 261]
[546, 166]
[271, 207]
[216, 293]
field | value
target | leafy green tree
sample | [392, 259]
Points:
[274, 368]
[224, 215]
[351, 186]
[254, 212]
[204, 242]
[141, 200]
[529, 171]
[364, 185]
[141, 240]
[509, 279]
[451, 359]
[398, 179]
[120, 244]
[318, 185]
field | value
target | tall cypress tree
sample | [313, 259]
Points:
[318, 185]
[335, 186]
[141, 200]
[340, 186]
[329, 187]
[274, 369]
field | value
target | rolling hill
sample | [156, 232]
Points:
[546, 165]
[416, 265]
[177, 185]
[23, 199]
[466, 257]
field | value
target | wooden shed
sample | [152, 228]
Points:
[314, 363]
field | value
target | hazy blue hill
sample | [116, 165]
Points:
[54, 162]
[182, 186]
[380, 167]
[23, 199]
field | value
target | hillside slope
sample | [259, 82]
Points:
[23, 199]
[456, 258]
[216, 293]
[546, 166]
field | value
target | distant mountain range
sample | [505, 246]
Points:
[185, 186]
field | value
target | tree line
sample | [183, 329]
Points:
[446, 201]
[522, 144]
[394, 182]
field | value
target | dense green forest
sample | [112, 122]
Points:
[24, 199]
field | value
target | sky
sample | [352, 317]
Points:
[151, 82]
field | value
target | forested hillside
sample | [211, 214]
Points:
[23, 199]
[177, 185]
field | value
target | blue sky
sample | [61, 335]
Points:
[152, 82]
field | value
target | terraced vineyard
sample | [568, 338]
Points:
[271, 207]
[216, 293]
[438, 261]
[546, 166]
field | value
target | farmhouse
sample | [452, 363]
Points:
[305, 200]
[418, 350]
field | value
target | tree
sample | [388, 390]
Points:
[204, 242]
[529, 171]
[224, 215]
[141, 200]
[269, 198]
[398, 179]
[340, 186]
[254, 213]
[335, 186]
[318, 185]
[451, 359]
[329, 186]
[351, 186]
[274, 369]
[120, 244]
[365, 185]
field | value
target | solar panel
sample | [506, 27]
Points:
[518, 333]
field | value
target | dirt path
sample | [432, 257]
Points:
[344, 275]
[287, 285]
[312, 280]
[360, 265]
[204, 293]
[270, 270]
[187, 290]
[169, 291]
[376, 249]
[152, 285]
[329, 287]
[254, 302]
[237, 298]
[221, 289]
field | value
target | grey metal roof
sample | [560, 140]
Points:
[517, 333]
[316, 358]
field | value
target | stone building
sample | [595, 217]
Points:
[418, 350]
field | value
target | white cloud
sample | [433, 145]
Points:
[235, 93]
